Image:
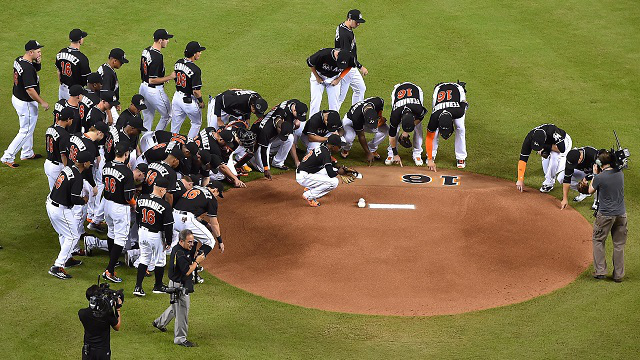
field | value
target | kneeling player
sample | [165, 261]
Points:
[578, 168]
[365, 116]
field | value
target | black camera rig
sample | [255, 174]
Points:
[621, 155]
[105, 300]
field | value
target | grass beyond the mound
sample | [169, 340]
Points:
[573, 63]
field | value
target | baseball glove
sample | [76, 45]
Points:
[405, 141]
[583, 187]
[350, 175]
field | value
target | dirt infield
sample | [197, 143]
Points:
[473, 242]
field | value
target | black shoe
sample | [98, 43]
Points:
[118, 263]
[80, 252]
[281, 167]
[160, 289]
[137, 291]
[187, 343]
[72, 262]
[111, 277]
[618, 280]
[599, 277]
[161, 328]
[546, 188]
[59, 273]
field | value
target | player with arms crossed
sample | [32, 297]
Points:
[187, 100]
[153, 77]
[72, 64]
[406, 110]
[346, 40]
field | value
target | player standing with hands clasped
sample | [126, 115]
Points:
[152, 87]
[328, 67]
[187, 100]
[110, 79]
[25, 99]
[346, 40]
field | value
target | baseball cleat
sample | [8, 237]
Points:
[137, 291]
[311, 202]
[11, 164]
[282, 167]
[389, 160]
[247, 168]
[161, 328]
[344, 153]
[198, 279]
[418, 161]
[59, 273]
[461, 164]
[546, 188]
[376, 155]
[72, 262]
[79, 252]
[32, 157]
[581, 197]
[111, 277]
[187, 343]
[160, 289]
[96, 227]
[599, 277]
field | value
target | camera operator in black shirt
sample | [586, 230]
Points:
[103, 312]
[180, 286]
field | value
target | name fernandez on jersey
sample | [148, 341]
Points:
[149, 203]
[108, 171]
[184, 68]
[448, 104]
[68, 56]
[159, 168]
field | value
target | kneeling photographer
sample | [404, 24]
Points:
[180, 286]
[102, 314]
[611, 214]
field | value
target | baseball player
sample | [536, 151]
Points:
[155, 219]
[63, 196]
[235, 102]
[318, 128]
[90, 98]
[99, 110]
[406, 110]
[244, 143]
[130, 133]
[578, 168]
[295, 112]
[72, 101]
[328, 68]
[553, 144]
[153, 138]
[346, 40]
[365, 116]
[217, 144]
[25, 99]
[316, 171]
[449, 109]
[119, 190]
[187, 100]
[153, 77]
[110, 79]
[138, 104]
[166, 169]
[272, 137]
[72, 64]
[57, 146]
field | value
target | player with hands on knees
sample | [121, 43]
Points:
[365, 116]
[406, 111]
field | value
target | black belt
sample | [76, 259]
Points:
[181, 212]
[54, 162]
[150, 85]
[58, 205]
[149, 230]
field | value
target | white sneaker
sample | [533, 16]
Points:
[581, 197]
[388, 161]
[418, 161]
[461, 164]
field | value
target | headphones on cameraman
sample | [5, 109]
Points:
[600, 153]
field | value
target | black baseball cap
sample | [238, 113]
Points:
[301, 110]
[118, 54]
[445, 124]
[102, 127]
[407, 120]
[261, 106]
[177, 152]
[77, 34]
[66, 114]
[110, 97]
[285, 130]
[136, 122]
[121, 148]
[144, 168]
[84, 156]
[343, 59]
[193, 47]
[32, 45]
[333, 121]
[205, 157]
[94, 78]
[215, 184]
[76, 90]
[356, 15]
[573, 156]
[138, 101]
[192, 147]
[538, 139]
[370, 115]
[335, 140]
[161, 34]
[161, 182]
[226, 135]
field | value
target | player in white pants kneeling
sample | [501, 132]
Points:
[365, 116]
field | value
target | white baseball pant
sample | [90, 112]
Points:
[156, 100]
[181, 110]
[185, 220]
[380, 133]
[418, 139]
[152, 252]
[52, 170]
[319, 184]
[212, 119]
[353, 79]
[460, 139]
[553, 166]
[147, 141]
[65, 224]
[63, 92]
[96, 203]
[333, 93]
[28, 116]
[278, 148]
[118, 218]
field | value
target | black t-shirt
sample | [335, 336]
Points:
[73, 67]
[56, 142]
[316, 160]
[234, 102]
[119, 185]
[405, 96]
[553, 136]
[151, 64]
[97, 330]
[346, 40]
[125, 118]
[109, 79]
[179, 263]
[67, 189]
[79, 142]
[266, 129]
[161, 169]
[326, 64]
[198, 201]
[356, 112]
[450, 97]
[188, 76]
[316, 125]
[76, 125]
[206, 141]
[155, 214]
[88, 101]
[25, 76]
[586, 166]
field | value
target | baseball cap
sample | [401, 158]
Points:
[136, 122]
[94, 78]
[370, 115]
[102, 127]
[110, 97]
[445, 124]
[77, 34]
[121, 148]
[118, 54]
[84, 156]
[138, 101]
[356, 15]
[335, 140]
[161, 182]
[161, 34]
[538, 139]
[261, 106]
[142, 167]
[193, 47]
[215, 184]
[285, 130]
[205, 157]
[66, 114]
[75, 90]
[177, 152]
[573, 156]
[226, 135]
[192, 147]
[301, 109]
[408, 121]
[32, 45]
[333, 121]
[343, 59]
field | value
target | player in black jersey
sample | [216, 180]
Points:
[87, 141]
[57, 146]
[187, 100]
[578, 168]
[90, 97]
[235, 102]
[137, 105]
[155, 220]
[110, 78]
[346, 40]
[153, 138]
[72, 101]
[319, 127]
[72, 64]
[552, 144]
[365, 116]
[406, 111]
[99, 111]
[328, 68]
[216, 143]
[166, 169]
[64, 195]
[119, 190]
[272, 137]
[153, 77]
[316, 172]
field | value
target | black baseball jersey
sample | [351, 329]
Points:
[119, 185]
[450, 97]
[553, 136]
[356, 113]
[316, 125]
[346, 40]
[79, 142]
[161, 169]
[284, 111]
[316, 160]
[234, 102]
[188, 76]
[586, 166]
[326, 64]
[73, 67]
[198, 201]
[109, 79]
[151, 64]
[405, 96]
[67, 189]
[206, 141]
[155, 214]
[115, 136]
[56, 142]
[76, 125]
[87, 102]
[94, 115]
[161, 136]
[180, 189]
[125, 117]
[265, 131]
[25, 77]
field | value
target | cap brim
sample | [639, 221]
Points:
[142, 128]
[360, 21]
[141, 107]
[283, 137]
[169, 36]
[202, 48]
[114, 103]
[123, 60]
[84, 35]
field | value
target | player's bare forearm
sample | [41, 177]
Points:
[64, 159]
[316, 138]
[294, 155]
[315, 73]
[34, 95]
[215, 226]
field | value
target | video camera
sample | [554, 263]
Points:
[174, 293]
[620, 156]
[105, 300]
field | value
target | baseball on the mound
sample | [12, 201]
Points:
[361, 203]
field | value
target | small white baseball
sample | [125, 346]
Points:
[361, 203]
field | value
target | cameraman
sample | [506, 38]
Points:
[96, 319]
[180, 269]
[611, 215]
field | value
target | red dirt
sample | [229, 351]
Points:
[474, 246]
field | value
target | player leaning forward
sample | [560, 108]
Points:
[407, 112]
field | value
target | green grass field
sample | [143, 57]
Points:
[574, 63]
